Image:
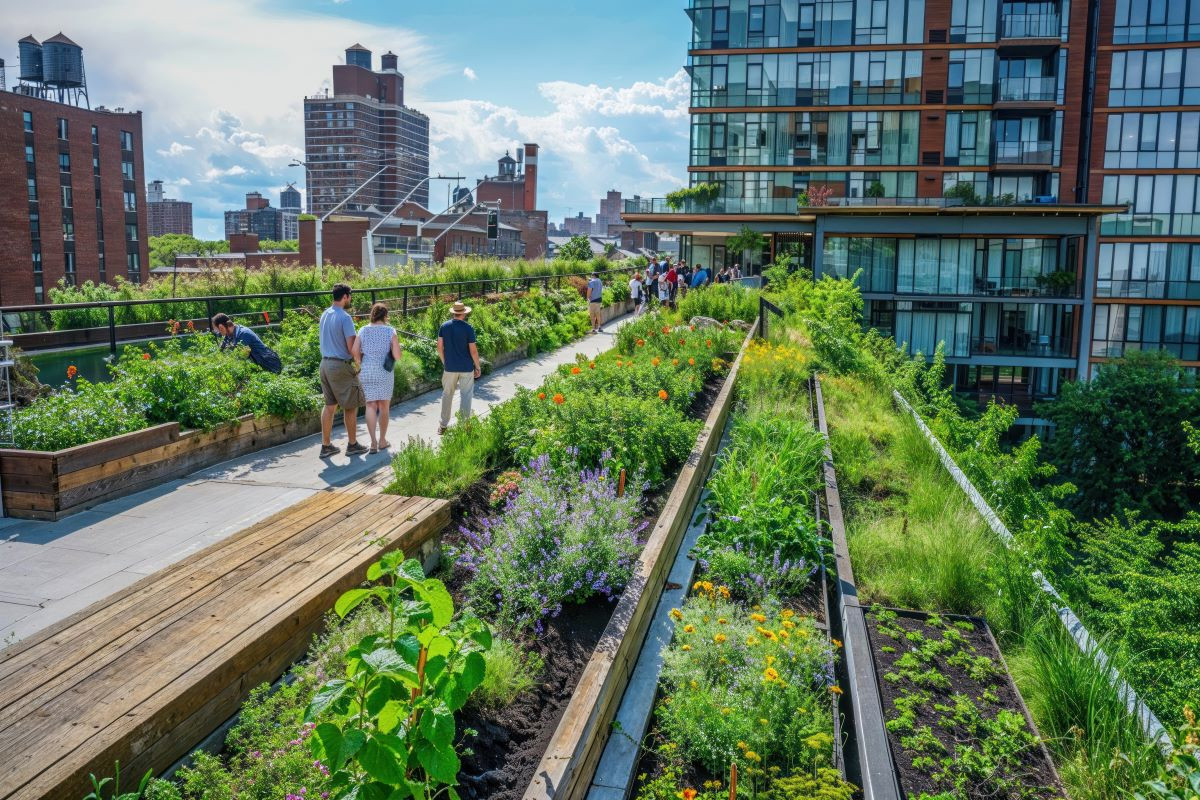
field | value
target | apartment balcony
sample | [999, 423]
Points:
[1030, 26]
[1040, 89]
[775, 205]
[1024, 153]
[1023, 343]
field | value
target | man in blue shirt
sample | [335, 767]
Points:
[700, 278]
[339, 374]
[460, 363]
[595, 297]
[235, 335]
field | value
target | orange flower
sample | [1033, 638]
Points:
[145, 356]
[266, 317]
[618, 362]
[655, 361]
[691, 362]
[541, 395]
[592, 365]
[191, 326]
[693, 327]
[835, 689]
[641, 342]
[666, 329]
[708, 342]
[662, 394]
[71, 372]
[174, 327]
[575, 370]
[689, 794]
[675, 361]
[559, 399]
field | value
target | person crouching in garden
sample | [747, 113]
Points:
[460, 363]
[372, 348]
[339, 374]
[234, 335]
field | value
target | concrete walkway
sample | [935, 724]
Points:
[49, 570]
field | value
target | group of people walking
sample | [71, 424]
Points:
[666, 282]
[357, 367]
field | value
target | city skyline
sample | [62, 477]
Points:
[223, 105]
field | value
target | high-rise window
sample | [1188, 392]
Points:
[127, 170]
[95, 165]
[133, 264]
[130, 201]
[973, 20]
[1139, 21]
[28, 154]
[62, 128]
[68, 229]
[27, 118]
[1163, 140]
[95, 135]
[131, 232]
[66, 196]
[968, 138]
[31, 187]
[64, 162]
[126, 141]
[1155, 77]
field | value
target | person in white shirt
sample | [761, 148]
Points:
[637, 294]
[664, 289]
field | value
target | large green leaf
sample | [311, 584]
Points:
[391, 714]
[440, 763]
[437, 725]
[474, 667]
[325, 697]
[351, 600]
[413, 570]
[383, 757]
[385, 659]
[439, 599]
[326, 745]
[409, 648]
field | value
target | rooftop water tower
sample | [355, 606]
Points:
[53, 70]
[29, 53]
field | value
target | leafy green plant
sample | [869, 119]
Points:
[468, 450]
[1179, 777]
[75, 415]
[701, 194]
[720, 301]
[389, 724]
[509, 672]
[747, 240]
[113, 785]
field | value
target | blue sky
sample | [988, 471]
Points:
[599, 85]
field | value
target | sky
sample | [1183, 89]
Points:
[599, 85]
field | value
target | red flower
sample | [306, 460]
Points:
[266, 317]
[689, 794]
[559, 399]
[575, 370]
[708, 342]
[145, 356]
[541, 395]
[71, 372]
[191, 325]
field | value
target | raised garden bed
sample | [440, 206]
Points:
[53, 485]
[955, 721]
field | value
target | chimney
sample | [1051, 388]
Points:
[531, 160]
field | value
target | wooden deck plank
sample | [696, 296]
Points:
[145, 689]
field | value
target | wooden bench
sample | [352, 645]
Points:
[146, 674]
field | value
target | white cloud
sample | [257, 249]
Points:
[631, 138]
[176, 149]
[469, 74]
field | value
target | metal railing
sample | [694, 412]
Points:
[50, 326]
[1026, 152]
[1030, 26]
[1031, 345]
[777, 205]
[1036, 89]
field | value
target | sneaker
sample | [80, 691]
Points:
[328, 451]
[441, 429]
[355, 449]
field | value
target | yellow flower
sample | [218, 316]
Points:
[696, 586]
[686, 647]
[676, 614]
[725, 712]
[708, 587]
[694, 685]
[770, 674]
[723, 591]
[722, 621]
[753, 756]
[742, 745]
[689, 628]
[835, 689]
[719, 638]
[836, 643]
[784, 635]
[763, 721]
[787, 613]
[758, 618]
[788, 624]
[751, 641]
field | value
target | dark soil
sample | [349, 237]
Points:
[1035, 772]
[510, 742]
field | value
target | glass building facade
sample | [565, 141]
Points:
[936, 115]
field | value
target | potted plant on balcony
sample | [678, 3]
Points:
[876, 190]
[814, 196]
[1058, 283]
[701, 195]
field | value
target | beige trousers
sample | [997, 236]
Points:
[465, 383]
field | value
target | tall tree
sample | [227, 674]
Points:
[1121, 439]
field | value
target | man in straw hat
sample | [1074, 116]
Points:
[460, 362]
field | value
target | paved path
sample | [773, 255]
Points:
[49, 570]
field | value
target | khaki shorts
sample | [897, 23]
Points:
[339, 384]
[594, 307]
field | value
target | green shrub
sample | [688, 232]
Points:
[468, 450]
[738, 688]
[74, 416]
[720, 301]
[509, 672]
[824, 783]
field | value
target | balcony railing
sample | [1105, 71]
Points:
[775, 205]
[1021, 344]
[1035, 89]
[1028, 152]
[1030, 26]
[1149, 289]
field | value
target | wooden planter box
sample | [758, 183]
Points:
[574, 751]
[50, 486]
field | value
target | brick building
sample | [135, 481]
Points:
[363, 126]
[166, 215]
[514, 189]
[261, 219]
[72, 197]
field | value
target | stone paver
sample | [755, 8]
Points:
[49, 570]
